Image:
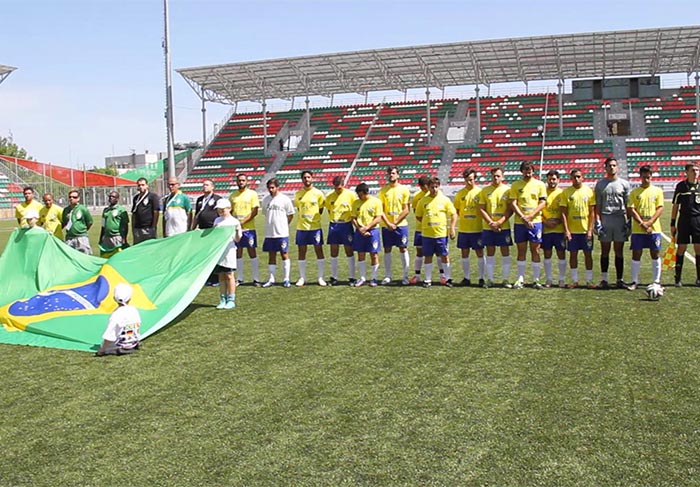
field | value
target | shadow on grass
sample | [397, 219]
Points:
[182, 316]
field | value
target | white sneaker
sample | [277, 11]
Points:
[360, 282]
[520, 283]
[268, 283]
[322, 282]
[386, 280]
[405, 281]
[301, 282]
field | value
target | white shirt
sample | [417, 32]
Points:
[228, 259]
[276, 211]
[123, 327]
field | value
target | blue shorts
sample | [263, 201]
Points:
[523, 233]
[369, 243]
[579, 241]
[496, 239]
[249, 240]
[469, 241]
[435, 246]
[651, 241]
[276, 244]
[309, 237]
[417, 239]
[553, 240]
[395, 238]
[340, 233]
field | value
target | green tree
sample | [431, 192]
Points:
[109, 171]
[9, 148]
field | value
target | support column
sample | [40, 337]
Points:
[204, 122]
[366, 95]
[697, 102]
[478, 114]
[308, 119]
[264, 107]
[427, 114]
[560, 85]
[630, 110]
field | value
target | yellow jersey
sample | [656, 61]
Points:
[22, 208]
[394, 199]
[309, 203]
[495, 200]
[435, 212]
[578, 203]
[552, 210]
[528, 194]
[242, 204]
[467, 206]
[416, 198]
[366, 211]
[50, 219]
[339, 206]
[645, 201]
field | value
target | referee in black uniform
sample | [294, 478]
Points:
[686, 208]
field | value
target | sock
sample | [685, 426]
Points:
[231, 297]
[334, 267]
[679, 267]
[321, 264]
[375, 270]
[521, 269]
[619, 267]
[222, 297]
[351, 266]
[363, 268]
[636, 265]
[255, 268]
[536, 269]
[480, 263]
[656, 270]
[302, 269]
[465, 267]
[287, 266]
[604, 265]
[574, 275]
[428, 272]
[417, 265]
[589, 275]
[239, 268]
[448, 270]
[562, 269]
[490, 264]
[387, 264]
[505, 267]
[405, 263]
[548, 269]
[272, 268]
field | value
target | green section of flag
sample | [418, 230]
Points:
[54, 296]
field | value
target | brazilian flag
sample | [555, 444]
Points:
[54, 296]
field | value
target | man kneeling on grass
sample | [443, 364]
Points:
[122, 334]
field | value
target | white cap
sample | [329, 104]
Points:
[31, 213]
[122, 293]
[223, 203]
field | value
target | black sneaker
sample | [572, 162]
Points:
[448, 283]
[603, 285]
[332, 281]
[482, 283]
[427, 283]
[621, 284]
[351, 282]
[465, 282]
[257, 283]
[678, 284]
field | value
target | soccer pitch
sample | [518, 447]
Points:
[372, 386]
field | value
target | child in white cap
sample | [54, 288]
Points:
[122, 334]
[227, 264]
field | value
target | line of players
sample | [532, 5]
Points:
[547, 218]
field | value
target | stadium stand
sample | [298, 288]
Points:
[10, 193]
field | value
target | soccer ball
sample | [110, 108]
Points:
[655, 291]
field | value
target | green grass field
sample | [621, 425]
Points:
[383, 386]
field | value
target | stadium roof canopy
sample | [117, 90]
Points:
[5, 72]
[571, 56]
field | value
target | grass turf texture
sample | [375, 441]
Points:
[385, 386]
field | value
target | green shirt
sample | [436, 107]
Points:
[76, 221]
[115, 221]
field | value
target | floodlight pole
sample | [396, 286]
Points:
[168, 94]
[478, 113]
[560, 85]
[308, 119]
[204, 121]
[264, 107]
[697, 102]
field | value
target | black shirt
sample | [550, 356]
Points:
[143, 209]
[687, 197]
[205, 210]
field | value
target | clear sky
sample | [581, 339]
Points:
[90, 77]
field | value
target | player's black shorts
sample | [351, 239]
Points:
[688, 230]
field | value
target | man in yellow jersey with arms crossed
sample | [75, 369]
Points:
[309, 203]
[470, 225]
